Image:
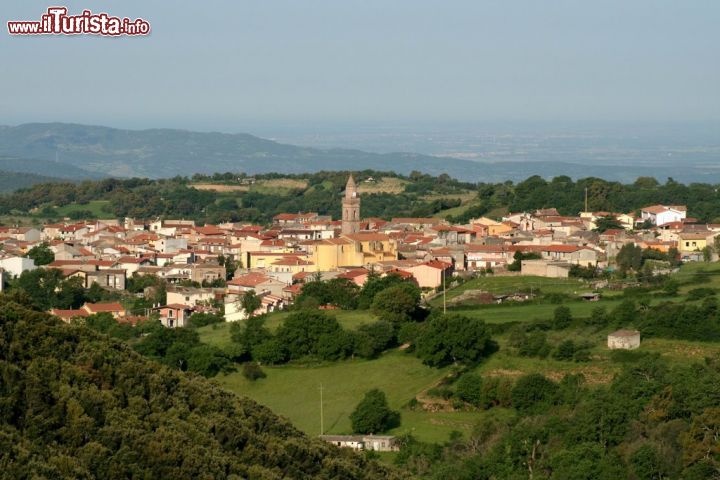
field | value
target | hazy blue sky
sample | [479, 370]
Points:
[226, 64]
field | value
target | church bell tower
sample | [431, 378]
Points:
[351, 208]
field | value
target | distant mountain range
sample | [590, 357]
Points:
[82, 151]
[11, 181]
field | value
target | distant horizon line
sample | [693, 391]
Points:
[242, 126]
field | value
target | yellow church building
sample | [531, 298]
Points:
[352, 248]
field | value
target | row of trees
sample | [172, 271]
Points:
[145, 198]
[568, 197]
[311, 333]
[175, 197]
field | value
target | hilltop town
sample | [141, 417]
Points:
[207, 265]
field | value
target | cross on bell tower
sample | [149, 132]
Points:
[351, 208]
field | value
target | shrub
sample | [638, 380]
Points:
[535, 345]
[562, 317]
[198, 320]
[532, 390]
[598, 317]
[627, 356]
[582, 355]
[270, 351]
[469, 389]
[440, 392]
[565, 351]
[252, 371]
[698, 293]
[372, 339]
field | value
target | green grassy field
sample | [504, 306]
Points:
[217, 334]
[94, 206]
[525, 312]
[294, 391]
[708, 272]
[512, 284]
[436, 427]
[505, 363]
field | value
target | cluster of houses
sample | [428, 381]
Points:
[274, 261]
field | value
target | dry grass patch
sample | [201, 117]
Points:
[218, 187]
[383, 185]
[284, 183]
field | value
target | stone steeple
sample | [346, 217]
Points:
[351, 208]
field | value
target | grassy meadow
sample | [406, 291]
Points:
[293, 390]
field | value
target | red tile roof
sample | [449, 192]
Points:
[249, 280]
[103, 307]
[350, 274]
[68, 314]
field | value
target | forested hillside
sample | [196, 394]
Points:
[10, 181]
[237, 197]
[75, 404]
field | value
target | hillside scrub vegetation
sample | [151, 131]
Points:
[76, 404]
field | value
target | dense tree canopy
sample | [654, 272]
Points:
[446, 339]
[146, 198]
[75, 404]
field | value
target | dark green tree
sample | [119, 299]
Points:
[301, 331]
[396, 303]
[373, 415]
[604, 224]
[249, 334]
[446, 339]
[250, 302]
[629, 258]
[372, 339]
[41, 254]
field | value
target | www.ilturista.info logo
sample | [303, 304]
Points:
[57, 22]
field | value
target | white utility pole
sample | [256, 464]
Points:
[322, 425]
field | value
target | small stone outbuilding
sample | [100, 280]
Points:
[624, 339]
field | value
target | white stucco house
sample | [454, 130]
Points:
[662, 214]
[15, 266]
